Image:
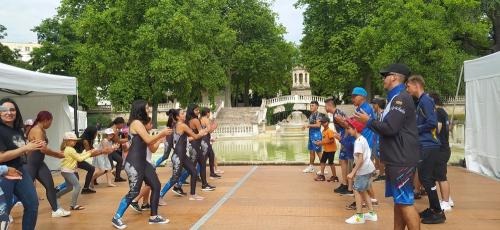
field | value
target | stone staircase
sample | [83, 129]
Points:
[238, 115]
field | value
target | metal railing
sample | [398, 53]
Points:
[292, 99]
[236, 130]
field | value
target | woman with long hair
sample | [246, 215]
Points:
[36, 166]
[13, 151]
[207, 144]
[136, 165]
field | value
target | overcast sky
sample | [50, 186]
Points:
[20, 16]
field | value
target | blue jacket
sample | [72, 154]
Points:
[367, 132]
[427, 122]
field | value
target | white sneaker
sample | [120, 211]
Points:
[319, 172]
[308, 169]
[371, 217]
[355, 219]
[450, 201]
[61, 213]
[445, 206]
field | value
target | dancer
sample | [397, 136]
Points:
[13, 147]
[117, 155]
[137, 167]
[206, 141]
[102, 162]
[314, 127]
[36, 166]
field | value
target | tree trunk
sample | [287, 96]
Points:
[235, 99]
[367, 83]
[227, 90]
[246, 92]
[154, 116]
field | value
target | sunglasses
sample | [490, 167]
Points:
[12, 110]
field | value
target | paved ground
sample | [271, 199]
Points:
[275, 197]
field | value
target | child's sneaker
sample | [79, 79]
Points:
[450, 201]
[356, 219]
[371, 216]
[308, 169]
[158, 220]
[61, 213]
[118, 223]
[135, 207]
[445, 206]
[319, 172]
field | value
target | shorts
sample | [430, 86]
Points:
[399, 184]
[441, 168]
[314, 135]
[346, 156]
[362, 182]
[327, 157]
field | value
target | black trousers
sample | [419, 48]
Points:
[430, 161]
[116, 156]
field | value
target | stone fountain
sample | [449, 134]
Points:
[292, 126]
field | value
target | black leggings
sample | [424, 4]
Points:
[430, 162]
[189, 166]
[43, 175]
[116, 156]
[148, 175]
[90, 172]
[198, 157]
[209, 153]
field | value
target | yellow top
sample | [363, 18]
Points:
[71, 158]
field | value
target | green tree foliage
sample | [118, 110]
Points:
[347, 42]
[492, 10]
[8, 56]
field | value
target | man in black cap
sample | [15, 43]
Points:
[399, 146]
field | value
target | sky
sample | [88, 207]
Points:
[20, 16]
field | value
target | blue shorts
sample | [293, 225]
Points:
[399, 184]
[346, 156]
[362, 182]
[314, 135]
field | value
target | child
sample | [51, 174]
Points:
[329, 148]
[68, 166]
[101, 162]
[362, 173]
[378, 106]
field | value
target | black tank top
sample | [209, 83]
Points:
[137, 151]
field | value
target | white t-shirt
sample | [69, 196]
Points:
[149, 156]
[361, 147]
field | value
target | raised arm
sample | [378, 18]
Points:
[139, 128]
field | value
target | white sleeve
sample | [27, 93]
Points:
[358, 147]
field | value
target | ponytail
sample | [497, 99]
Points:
[172, 117]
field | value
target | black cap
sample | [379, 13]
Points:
[396, 68]
[380, 102]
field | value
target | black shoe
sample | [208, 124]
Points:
[145, 207]
[198, 179]
[426, 213]
[340, 188]
[379, 178]
[207, 187]
[347, 193]
[88, 191]
[119, 179]
[215, 176]
[178, 191]
[435, 218]
[135, 207]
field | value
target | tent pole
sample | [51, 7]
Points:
[456, 94]
[75, 110]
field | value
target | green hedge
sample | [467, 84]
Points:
[93, 119]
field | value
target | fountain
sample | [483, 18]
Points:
[292, 126]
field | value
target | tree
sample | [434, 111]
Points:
[492, 10]
[8, 56]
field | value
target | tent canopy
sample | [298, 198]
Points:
[35, 92]
[482, 129]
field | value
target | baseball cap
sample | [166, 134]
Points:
[359, 91]
[396, 68]
[356, 124]
[380, 102]
[3, 108]
[109, 131]
[70, 136]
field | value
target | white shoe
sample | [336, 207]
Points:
[308, 169]
[371, 217]
[450, 201]
[445, 206]
[319, 172]
[61, 213]
[355, 219]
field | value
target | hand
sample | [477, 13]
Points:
[35, 145]
[304, 127]
[203, 132]
[350, 176]
[166, 131]
[13, 174]
[190, 138]
[317, 143]
[339, 119]
[115, 146]
[337, 136]
[362, 116]
[213, 126]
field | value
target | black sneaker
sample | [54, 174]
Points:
[119, 179]
[88, 191]
[426, 213]
[435, 218]
[158, 220]
[178, 191]
[215, 176]
[340, 188]
[135, 206]
[207, 187]
[346, 193]
[118, 223]
[198, 179]
[145, 207]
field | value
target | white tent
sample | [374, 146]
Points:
[482, 127]
[34, 92]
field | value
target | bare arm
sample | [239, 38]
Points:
[189, 131]
[37, 134]
[139, 128]
[15, 153]
[154, 147]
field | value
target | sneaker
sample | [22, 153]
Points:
[196, 197]
[340, 188]
[445, 206]
[371, 216]
[308, 169]
[215, 176]
[426, 213]
[88, 191]
[60, 213]
[158, 220]
[207, 187]
[319, 172]
[162, 202]
[346, 193]
[135, 207]
[145, 207]
[450, 201]
[333, 179]
[356, 219]
[119, 179]
[118, 223]
[435, 218]
[320, 178]
[218, 171]
[178, 191]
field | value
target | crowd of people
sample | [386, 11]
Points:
[128, 146]
[401, 139]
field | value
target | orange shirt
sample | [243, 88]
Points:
[327, 137]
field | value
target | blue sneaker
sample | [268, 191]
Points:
[158, 220]
[118, 223]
